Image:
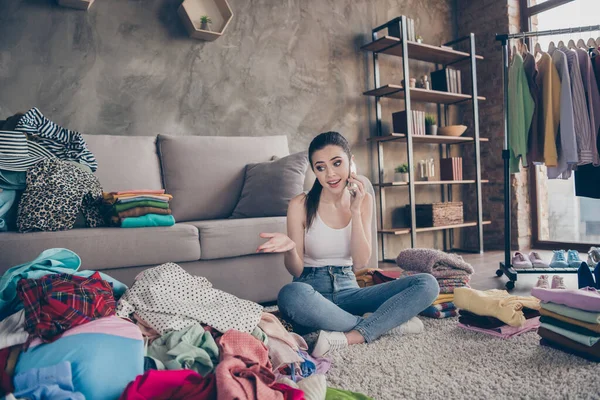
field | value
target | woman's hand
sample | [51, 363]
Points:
[277, 243]
[359, 195]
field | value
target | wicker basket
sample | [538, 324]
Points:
[437, 214]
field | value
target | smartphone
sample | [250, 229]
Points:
[352, 186]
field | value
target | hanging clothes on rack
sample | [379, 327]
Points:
[549, 115]
[521, 106]
[592, 97]
[567, 152]
[530, 68]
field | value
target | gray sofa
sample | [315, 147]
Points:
[205, 175]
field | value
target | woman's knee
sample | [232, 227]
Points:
[291, 295]
[429, 285]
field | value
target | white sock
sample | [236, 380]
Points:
[413, 326]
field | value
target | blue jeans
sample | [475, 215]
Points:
[329, 298]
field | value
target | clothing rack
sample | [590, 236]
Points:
[505, 267]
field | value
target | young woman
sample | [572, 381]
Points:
[329, 233]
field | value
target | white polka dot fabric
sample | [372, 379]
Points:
[168, 298]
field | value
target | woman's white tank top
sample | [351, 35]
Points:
[325, 246]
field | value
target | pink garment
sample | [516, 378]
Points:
[506, 331]
[112, 325]
[147, 330]
[289, 393]
[274, 329]
[244, 372]
[587, 299]
[179, 384]
[143, 191]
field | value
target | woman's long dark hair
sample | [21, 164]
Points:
[314, 195]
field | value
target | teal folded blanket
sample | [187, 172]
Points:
[148, 220]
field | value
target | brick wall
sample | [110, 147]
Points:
[486, 18]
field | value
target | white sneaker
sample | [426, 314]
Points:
[413, 326]
[558, 282]
[329, 341]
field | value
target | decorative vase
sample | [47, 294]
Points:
[400, 176]
[204, 26]
[431, 130]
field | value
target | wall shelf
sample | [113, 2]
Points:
[425, 183]
[418, 51]
[437, 139]
[78, 4]
[405, 231]
[446, 55]
[219, 12]
[422, 95]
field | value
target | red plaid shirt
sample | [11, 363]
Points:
[58, 302]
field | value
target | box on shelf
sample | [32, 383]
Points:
[399, 123]
[437, 214]
[451, 169]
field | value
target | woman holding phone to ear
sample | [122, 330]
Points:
[329, 234]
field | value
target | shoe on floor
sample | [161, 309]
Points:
[521, 261]
[573, 259]
[558, 282]
[559, 259]
[542, 282]
[329, 341]
[413, 326]
[585, 277]
[536, 260]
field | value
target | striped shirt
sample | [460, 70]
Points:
[586, 143]
[17, 153]
[65, 144]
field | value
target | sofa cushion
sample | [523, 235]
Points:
[205, 174]
[102, 248]
[126, 162]
[235, 237]
[269, 187]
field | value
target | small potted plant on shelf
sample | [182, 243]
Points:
[401, 173]
[419, 39]
[204, 21]
[430, 124]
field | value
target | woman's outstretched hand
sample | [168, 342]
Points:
[277, 243]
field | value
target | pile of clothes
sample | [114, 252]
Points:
[139, 208]
[54, 168]
[570, 320]
[175, 336]
[497, 313]
[450, 270]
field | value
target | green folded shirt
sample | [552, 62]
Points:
[147, 221]
[144, 203]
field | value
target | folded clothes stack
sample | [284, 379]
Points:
[450, 270]
[570, 320]
[139, 208]
[496, 313]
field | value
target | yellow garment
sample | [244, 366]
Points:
[549, 81]
[443, 298]
[495, 303]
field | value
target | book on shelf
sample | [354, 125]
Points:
[400, 123]
[446, 80]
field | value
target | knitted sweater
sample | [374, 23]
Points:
[432, 261]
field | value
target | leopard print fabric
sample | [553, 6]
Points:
[56, 192]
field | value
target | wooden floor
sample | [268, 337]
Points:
[485, 278]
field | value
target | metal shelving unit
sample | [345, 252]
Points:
[440, 56]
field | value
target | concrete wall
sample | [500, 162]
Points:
[127, 67]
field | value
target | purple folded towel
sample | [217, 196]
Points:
[431, 261]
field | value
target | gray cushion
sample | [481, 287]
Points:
[102, 248]
[205, 174]
[235, 237]
[126, 162]
[269, 187]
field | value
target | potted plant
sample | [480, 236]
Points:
[430, 124]
[419, 39]
[401, 173]
[204, 21]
